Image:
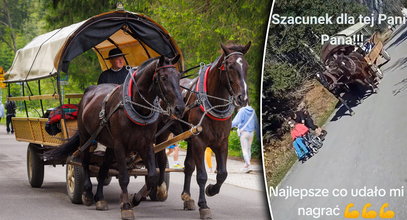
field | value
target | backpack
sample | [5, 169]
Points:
[53, 126]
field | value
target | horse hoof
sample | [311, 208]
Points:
[205, 213]
[101, 205]
[162, 192]
[127, 214]
[87, 200]
[208, 191]
[352, 113]
[189, 205]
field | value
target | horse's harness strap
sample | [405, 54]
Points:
[197, 102]
[103, 119]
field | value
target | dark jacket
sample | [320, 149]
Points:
[110, 76]
[11, 107]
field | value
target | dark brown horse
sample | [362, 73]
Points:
[224, 85]
[352, 68]
[157, 77]
[345, 69]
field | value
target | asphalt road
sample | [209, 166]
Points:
[19, 201]
[367, 149]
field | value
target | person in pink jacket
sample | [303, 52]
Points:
[298, 130]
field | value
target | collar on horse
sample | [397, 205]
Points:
[201, 89]
[129, 109]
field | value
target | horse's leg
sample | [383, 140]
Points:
[125, 206]
[87, 196]
[221, 153]
[148, 157]
[201, 178]
[189, 164]
[161, 191]
[101, 203]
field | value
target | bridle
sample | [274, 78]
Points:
[157, 74]
[222, 68]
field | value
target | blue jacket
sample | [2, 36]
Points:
[243, 116]
[1, 110]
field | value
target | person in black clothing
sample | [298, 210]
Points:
[118, 72]
[303, 116]
[11, 112]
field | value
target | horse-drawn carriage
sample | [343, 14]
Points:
[133, 109]
[48, 55]
[349, 64]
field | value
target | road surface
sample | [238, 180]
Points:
[368, 150]
[19, 201]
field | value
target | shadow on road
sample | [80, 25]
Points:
[53, 187]
[400, 63]
[402, 87]
[353, 98]
[401, 38]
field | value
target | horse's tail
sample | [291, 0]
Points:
[65, 149]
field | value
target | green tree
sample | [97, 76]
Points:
[12, 17]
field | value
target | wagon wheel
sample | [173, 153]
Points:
[153, 192]
[35, 165]
[74, 181]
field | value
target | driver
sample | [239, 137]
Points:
[118, 72]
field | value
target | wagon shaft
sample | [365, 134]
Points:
[178, 138]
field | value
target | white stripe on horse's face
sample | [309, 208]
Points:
[239, 61]
[245, 89]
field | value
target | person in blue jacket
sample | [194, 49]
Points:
[246, 123]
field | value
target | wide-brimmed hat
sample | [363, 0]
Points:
[116, 52]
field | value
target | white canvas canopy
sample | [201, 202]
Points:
[36, 59]
[139, 37]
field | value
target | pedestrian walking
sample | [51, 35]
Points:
[1, 110]
[11, 112]
[246, 123]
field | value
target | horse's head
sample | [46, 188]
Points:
[234, 72]
[166, 82]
